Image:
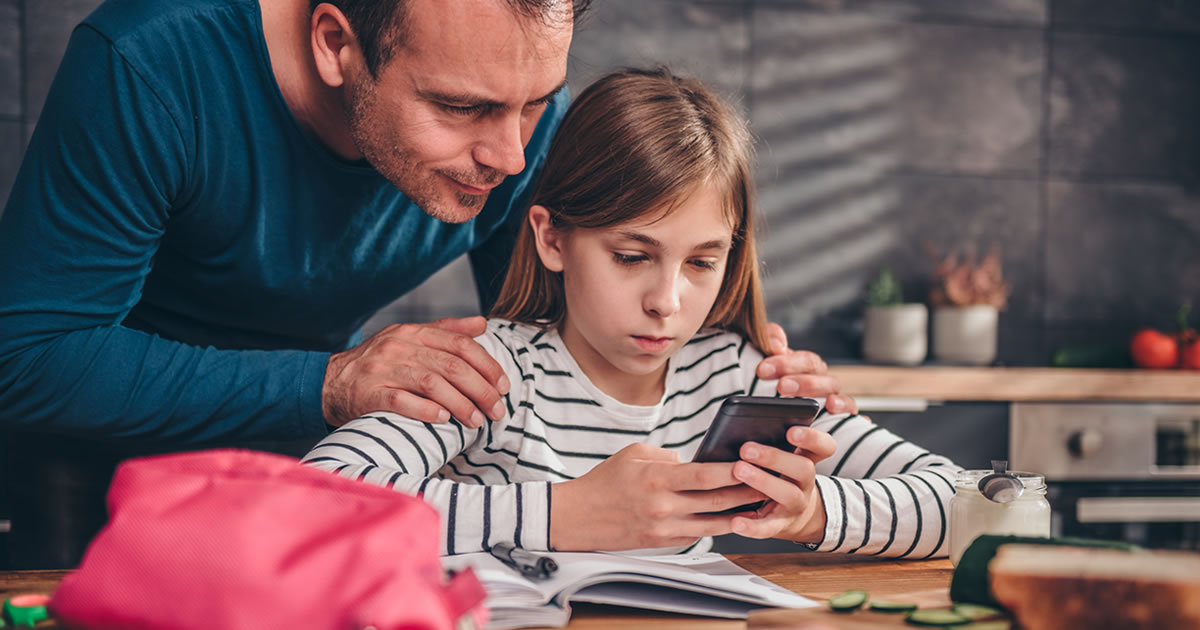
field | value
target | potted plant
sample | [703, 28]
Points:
[967, 297]
[893, 331]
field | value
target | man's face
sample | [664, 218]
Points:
[450, 113]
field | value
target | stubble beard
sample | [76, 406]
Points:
[398, 166]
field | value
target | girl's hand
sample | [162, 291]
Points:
[795, 510]
[642, 497]
[802, 373]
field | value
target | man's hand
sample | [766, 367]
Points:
[426, 372]
[642, 497]
[802, 373]
[796, 511]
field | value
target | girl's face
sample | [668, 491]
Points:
[638, 291]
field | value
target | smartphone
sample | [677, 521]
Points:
[758, 419]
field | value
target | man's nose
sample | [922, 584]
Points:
[504, 147]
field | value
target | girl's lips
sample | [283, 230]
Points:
[652, 344]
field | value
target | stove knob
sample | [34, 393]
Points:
[1085, 443]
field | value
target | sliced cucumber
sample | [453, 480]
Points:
[892, 607]
[975, 612]
[848, 601]
[936, 617]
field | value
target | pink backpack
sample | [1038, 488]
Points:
[243, 540]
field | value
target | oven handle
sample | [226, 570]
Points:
[1137, 510]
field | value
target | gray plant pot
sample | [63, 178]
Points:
[895, 334]
[965, 334]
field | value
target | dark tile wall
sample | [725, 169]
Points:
[10, 60]
[1062, 132]
[33, 36]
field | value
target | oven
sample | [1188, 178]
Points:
[1118, 471]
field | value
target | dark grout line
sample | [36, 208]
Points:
[22, 70]
[748, 63]
[1043, 193]
[1144, 32]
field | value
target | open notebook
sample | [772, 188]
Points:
[696, 584]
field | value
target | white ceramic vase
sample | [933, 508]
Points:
[965, 334]
[895, 334]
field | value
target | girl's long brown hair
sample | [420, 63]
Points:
[634, 143]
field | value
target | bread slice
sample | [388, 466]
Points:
[1056, 588]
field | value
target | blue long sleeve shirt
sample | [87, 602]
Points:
[178, 257]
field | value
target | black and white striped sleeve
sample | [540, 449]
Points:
[396, 452]
[452, 467]
[883, 494]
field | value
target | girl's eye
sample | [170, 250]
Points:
[628, 259]
[704, 265]
[457, 110]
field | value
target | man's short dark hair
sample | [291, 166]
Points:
[379, 24]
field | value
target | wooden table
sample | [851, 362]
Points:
[815, 575]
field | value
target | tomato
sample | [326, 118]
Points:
[1153, 349]
[1189, 357]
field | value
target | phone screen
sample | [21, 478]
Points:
[759, 419]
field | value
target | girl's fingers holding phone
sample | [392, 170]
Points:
[786, 492]
[798, 468]
[815, 443]
[770, 522]
[701, 476]
[721, 499]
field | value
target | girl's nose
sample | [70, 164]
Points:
[662, 299]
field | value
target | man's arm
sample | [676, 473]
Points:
[77, 239]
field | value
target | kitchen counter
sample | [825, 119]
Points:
[816, 575]
[1018, 383]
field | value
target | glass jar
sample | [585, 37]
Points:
[972, 514]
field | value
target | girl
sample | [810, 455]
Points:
[632, 308]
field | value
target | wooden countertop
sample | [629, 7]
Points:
[1019, 383]
[815, 575]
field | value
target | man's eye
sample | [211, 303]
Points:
[628, 259]
[459, 110]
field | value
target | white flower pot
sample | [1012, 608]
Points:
[895, 334]
[965, 334]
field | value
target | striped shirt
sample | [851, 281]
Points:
[883, 495]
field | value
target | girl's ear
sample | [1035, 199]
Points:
[549, 239]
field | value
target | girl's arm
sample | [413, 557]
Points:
[883, 495]
[396, 452]
[879, 493]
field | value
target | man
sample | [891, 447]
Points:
[220, 192]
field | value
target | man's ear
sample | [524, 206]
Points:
[549, 239]
[333, 43]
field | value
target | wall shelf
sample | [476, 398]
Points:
[943, 383]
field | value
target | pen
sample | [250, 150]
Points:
[529, 564]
